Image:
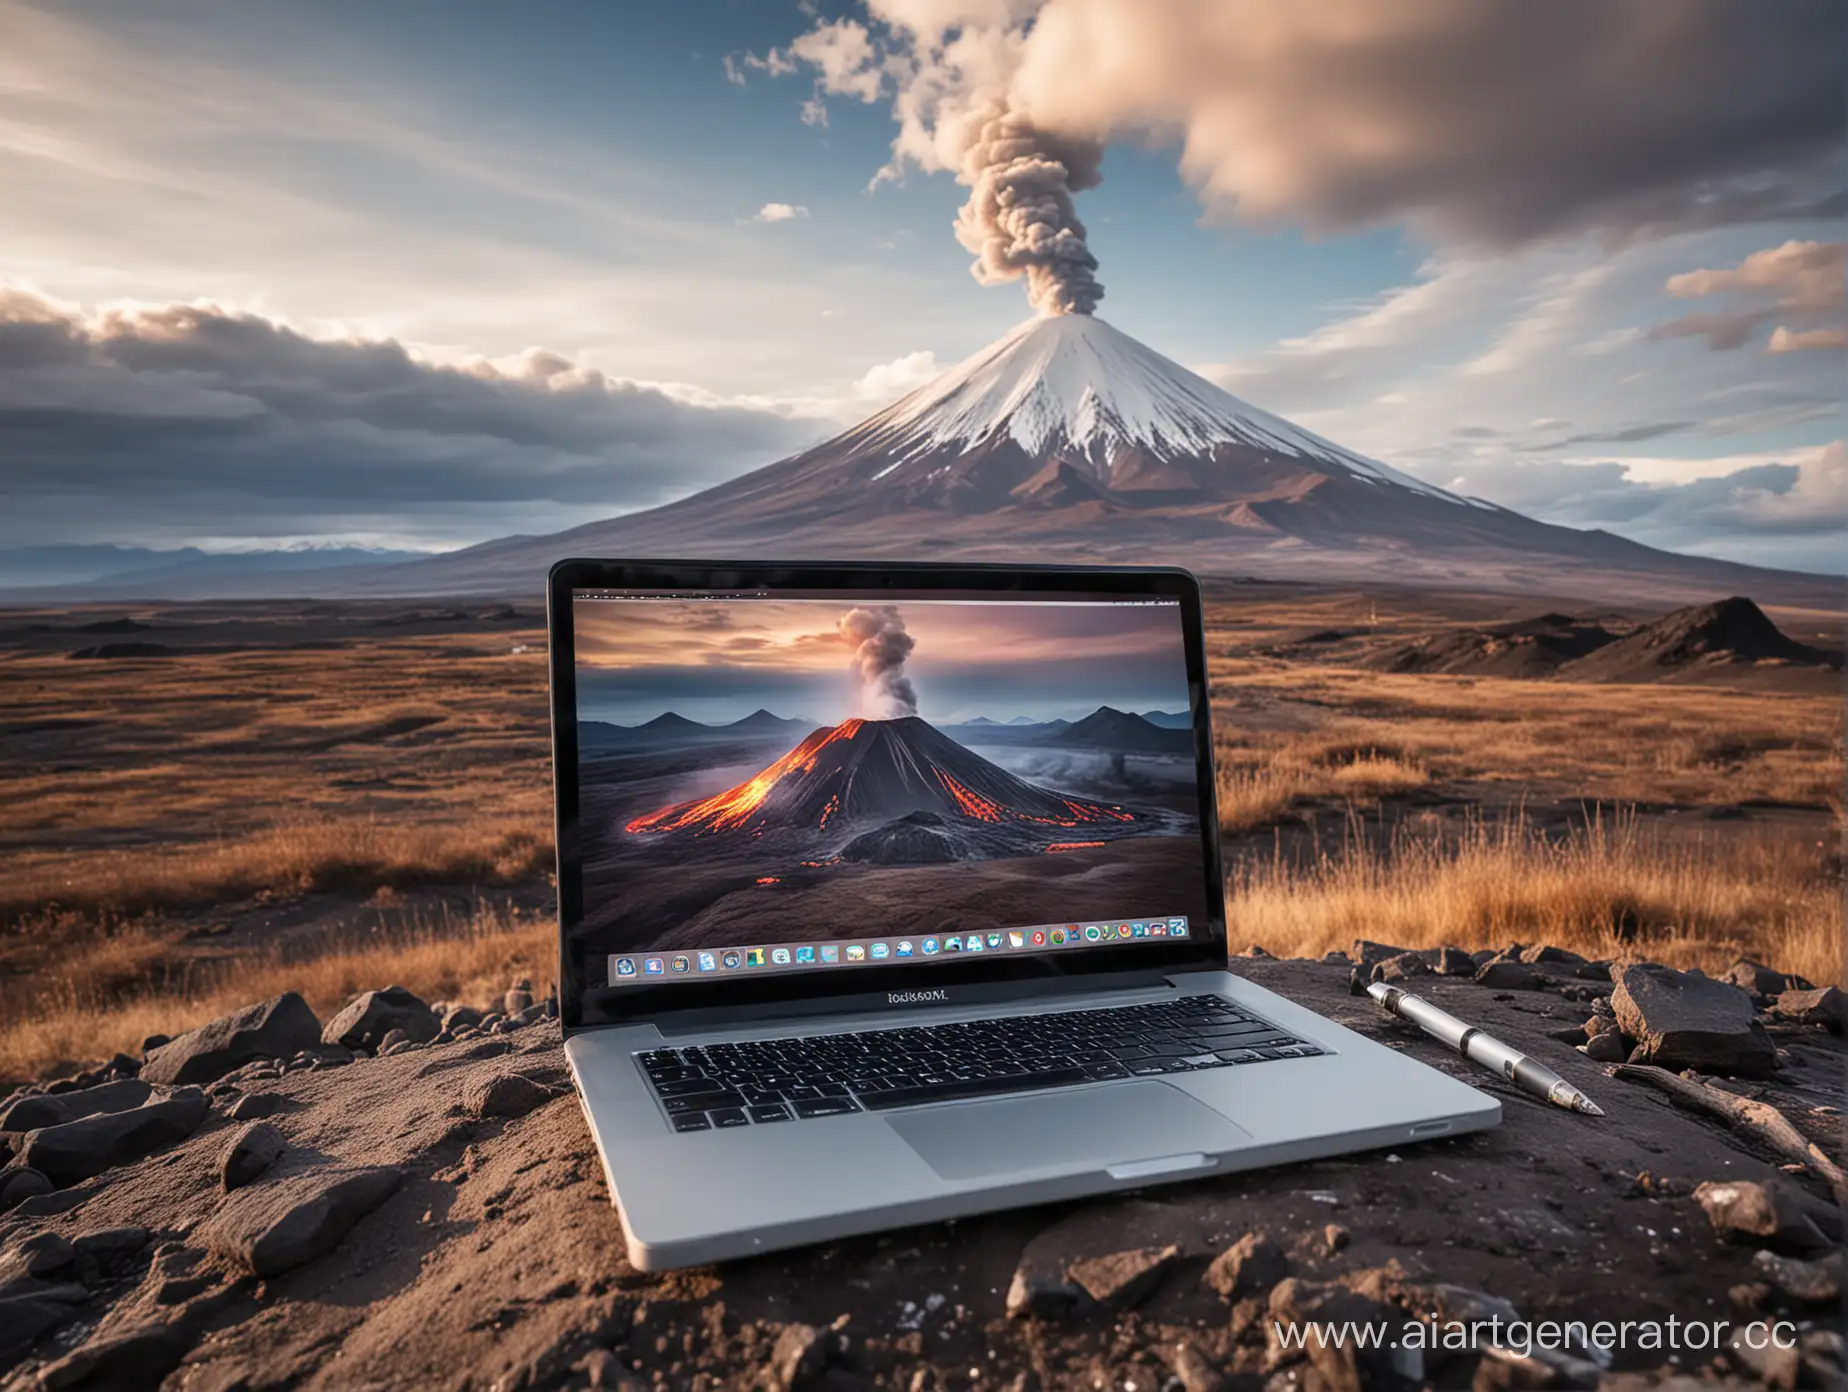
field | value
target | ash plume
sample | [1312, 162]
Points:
[1020, 219]
[880, 647]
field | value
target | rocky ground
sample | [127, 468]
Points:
[406, 1196]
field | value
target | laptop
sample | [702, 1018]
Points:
[891, 894]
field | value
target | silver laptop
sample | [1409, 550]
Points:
[889, 894]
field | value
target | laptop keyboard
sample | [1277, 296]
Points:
[765, 1081]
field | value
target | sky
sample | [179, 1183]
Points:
[805, 659]
[422, 274]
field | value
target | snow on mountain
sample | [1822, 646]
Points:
[1073, 382]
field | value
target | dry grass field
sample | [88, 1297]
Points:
[330, 797]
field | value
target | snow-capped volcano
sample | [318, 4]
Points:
[1071, 385]
[1068, 440]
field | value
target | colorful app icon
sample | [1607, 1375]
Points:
[1177, 927]
[1016, 939]
[994, 940]
[975, 942]
[708, 961]
[779, 956]
[1058, 937]
[654, 966]
[805, 954]
[682, 963]
[753, 957]
[1140, 930]
[1158, 930]
[856, 952]
[1093, 933]
[830, 952]
[928, 947]
[625, 966]
[1039, 937]
[904, 948]
[880, 951]
[953, 944]
[732, 960]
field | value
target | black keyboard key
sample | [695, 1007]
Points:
[987, 1087]
[729, 1116]
[692, 1121]
[825, 1106]
[700, 1102]
[760, 1115]
[685, 1087]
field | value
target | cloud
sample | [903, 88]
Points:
[1798, 281]
[887, 381]
[176, 420]
[780, 212]
[1477, 124]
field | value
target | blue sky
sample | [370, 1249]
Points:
[537, 196]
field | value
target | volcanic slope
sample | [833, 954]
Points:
[1068, 439]
[869, 772]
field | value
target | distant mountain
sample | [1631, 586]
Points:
[1020, 730]
[1120, 732]
[1023, 720]
[1170, 720]
[1536, 647]
[1707, 642]
[102, 572]
[761, 721]
[981, 720]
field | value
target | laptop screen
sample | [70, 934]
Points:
[789, 784]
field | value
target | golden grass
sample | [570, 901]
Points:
[87, 1010]
[1257, 786]
[361, 854]
[1608, 890]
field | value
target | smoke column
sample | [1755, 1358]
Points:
[1020, 219]
[880, 647]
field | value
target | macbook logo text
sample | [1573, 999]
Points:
[915, 997]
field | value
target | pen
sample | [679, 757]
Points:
[1491, 1053]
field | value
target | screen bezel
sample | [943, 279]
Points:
[1205, 949]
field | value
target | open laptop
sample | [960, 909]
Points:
[891, 893]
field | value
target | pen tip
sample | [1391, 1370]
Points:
[1589, 1108]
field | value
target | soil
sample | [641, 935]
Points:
[500, 1262]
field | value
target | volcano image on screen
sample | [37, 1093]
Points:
[720, 805]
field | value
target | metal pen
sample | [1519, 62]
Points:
[1491, 1053]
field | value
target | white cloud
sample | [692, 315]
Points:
[886, 382]
[780, 212]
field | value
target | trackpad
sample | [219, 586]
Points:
[1089, 1129]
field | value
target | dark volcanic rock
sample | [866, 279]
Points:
[1771, 1212]
[1123, 1279]
[371, 1015]
[253, 1105]
[272, 1228]
[1295, 1302]
[1680, 1020]
[1039, 1291]
[1400, 968]
[1606, 1048]
[1452, 961]
[1540, 955]
[139, 1359]
[1814, 1282]
[1823, 1006]
[109, 1244]
[1756, 977]
[1254, 1263]
[24, 1317]
[272, 1029]
[252, 1151]
[82, 1149]
[54, 1109]
[1507, 976]
[1367, 955]
[18, 1185]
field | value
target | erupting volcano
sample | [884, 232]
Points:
[864, 773]
[1068, 439]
